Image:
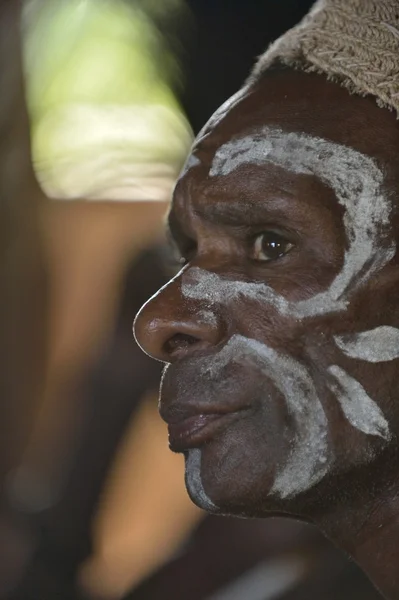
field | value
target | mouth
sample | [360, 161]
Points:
[194, 431]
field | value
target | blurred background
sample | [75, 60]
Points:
[100, 101]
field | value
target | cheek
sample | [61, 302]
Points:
[359, 400]
[265, 323]
[358, 397]
[301, 278]
[380, 382]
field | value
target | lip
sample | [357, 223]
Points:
[195, 431]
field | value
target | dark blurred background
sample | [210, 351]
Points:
[93, 503]
[225, 40]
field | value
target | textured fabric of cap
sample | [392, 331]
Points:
[352, 42]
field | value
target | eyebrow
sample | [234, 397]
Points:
[236, 207]
[245, 210]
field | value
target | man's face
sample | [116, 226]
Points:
[280, 332]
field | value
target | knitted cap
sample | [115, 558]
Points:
[352, 42]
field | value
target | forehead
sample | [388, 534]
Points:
[298, 102]
[280, 139]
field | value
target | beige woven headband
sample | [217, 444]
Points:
[353, 42]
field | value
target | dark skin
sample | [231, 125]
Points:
[225, 225]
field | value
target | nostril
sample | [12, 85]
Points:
[179, 342]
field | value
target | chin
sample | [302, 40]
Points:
[230, 477]
[227, 480]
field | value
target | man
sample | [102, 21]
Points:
[280, 333]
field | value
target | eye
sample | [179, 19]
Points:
[269, 246]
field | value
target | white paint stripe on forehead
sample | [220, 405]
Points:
[354, 177]
[309, 460]
[377, 345]
[360, 410]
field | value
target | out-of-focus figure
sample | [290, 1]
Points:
[107, 124]
[106, 128]
[125, 132]
[23, 294]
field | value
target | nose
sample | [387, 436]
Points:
[170, 327]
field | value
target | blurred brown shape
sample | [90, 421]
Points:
[22, 271]
[23, 286]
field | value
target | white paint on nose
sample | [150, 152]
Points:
[199, 284]
[206, 317]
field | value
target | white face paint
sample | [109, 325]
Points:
[357, 183]
[309, 461]
[207, 317]
[194, 481]
[378, 345]
[360, 410]
[203, 285]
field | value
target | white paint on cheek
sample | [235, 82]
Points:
[360, 410]
[309, 459]
[357, 183]
[194, 481]
[199, 284]
[377, 345]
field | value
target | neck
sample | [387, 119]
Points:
[368, 530]
[378, 556]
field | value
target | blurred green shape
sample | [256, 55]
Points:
[93, 66]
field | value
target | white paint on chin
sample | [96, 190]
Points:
[194, 481]
[377, 345]
[360, 410]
